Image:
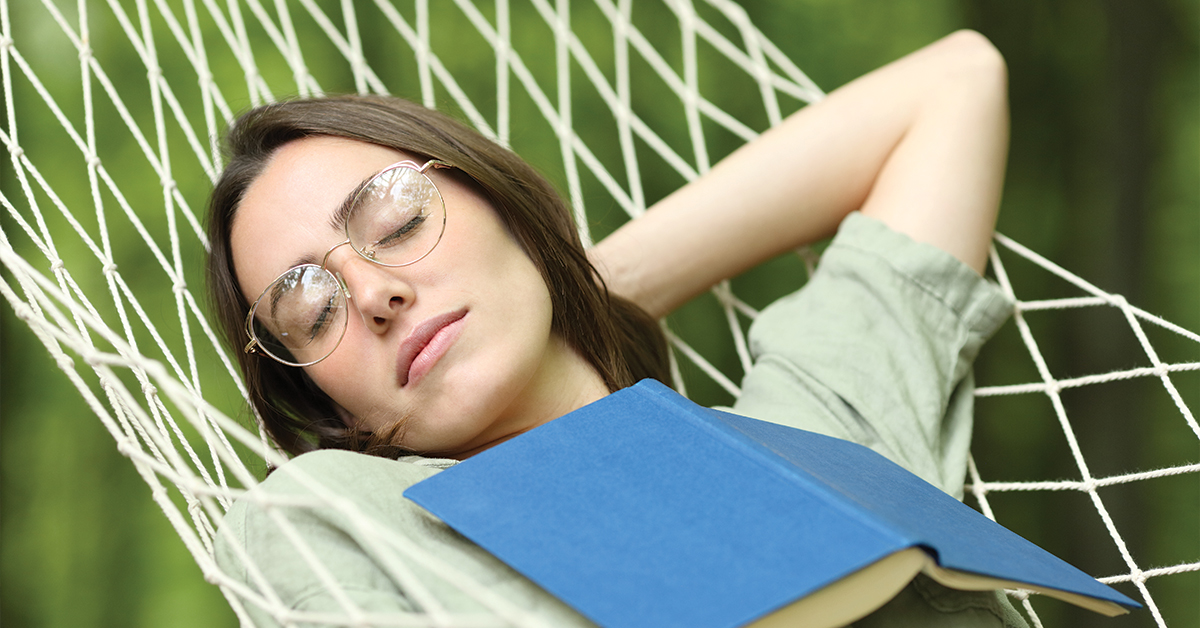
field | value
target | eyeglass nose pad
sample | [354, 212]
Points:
[343, 284]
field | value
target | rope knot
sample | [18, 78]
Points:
[5, 42]
[154, 73]
[109, 268]
[149, 389]
[179, 287]
[16, 151]
[168, 183]
[85, 53]
[93, 161]
[57, 265]
[65, 362]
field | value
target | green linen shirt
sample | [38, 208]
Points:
[876, 349]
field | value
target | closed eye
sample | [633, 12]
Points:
[404, 231]
[323, 318]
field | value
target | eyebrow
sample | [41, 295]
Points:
[276, 294]
[338, 220]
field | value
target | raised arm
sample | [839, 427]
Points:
[919, 144]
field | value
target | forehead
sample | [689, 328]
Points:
[285, 213]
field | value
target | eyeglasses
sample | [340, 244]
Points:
[395, 219]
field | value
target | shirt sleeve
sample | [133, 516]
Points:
[877, 349]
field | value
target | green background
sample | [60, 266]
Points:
[1104, 178]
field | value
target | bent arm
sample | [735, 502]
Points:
[919, 144]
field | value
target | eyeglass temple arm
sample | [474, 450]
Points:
[434, 163]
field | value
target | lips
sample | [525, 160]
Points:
[419, 339]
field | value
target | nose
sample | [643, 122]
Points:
[380, 294]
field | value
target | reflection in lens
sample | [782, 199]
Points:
[398, 218]
[301, 316]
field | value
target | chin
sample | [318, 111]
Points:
[443, 442]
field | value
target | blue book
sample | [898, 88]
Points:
[644, 509]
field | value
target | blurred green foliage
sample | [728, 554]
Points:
[1104, 178]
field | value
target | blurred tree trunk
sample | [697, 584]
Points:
[1138, 34]
[1088, 126]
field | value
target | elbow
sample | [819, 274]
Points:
[968, 73]
[972, 59]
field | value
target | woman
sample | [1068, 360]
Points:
[458, 338]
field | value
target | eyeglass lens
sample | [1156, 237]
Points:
[302, 315]
[397, 219]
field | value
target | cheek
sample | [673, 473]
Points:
[534, 305]
[340, 377]
[539, 299]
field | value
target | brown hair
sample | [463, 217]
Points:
[620, 340]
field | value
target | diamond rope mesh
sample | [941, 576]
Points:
[111, 114]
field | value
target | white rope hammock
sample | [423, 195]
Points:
[103, 246]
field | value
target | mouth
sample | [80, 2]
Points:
[426, 344]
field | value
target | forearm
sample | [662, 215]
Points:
[795, 183]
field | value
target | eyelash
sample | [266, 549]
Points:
[403, 231]
[322, 318]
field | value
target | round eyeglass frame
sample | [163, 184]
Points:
[257, 346]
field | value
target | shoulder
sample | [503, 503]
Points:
[335, 481]
[328, 488]
[331, 507]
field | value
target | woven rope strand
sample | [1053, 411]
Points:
[153, 419]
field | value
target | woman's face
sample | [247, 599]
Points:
[487, 366]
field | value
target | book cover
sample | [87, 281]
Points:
[644, 509]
